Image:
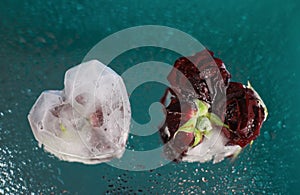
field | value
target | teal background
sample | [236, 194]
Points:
[258, 41]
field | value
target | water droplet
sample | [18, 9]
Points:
[267, 135]
[279, 124]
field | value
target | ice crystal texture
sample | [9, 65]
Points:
[86, 122]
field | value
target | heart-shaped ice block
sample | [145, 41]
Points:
[86, 122]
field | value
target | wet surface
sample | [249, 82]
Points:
[258, 41]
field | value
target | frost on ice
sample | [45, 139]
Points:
[86, 122]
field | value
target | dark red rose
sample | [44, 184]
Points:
[245, 113]
[182, 141]
[202, 72]
[176, 115]
[200, 76]
[205, 78]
